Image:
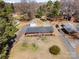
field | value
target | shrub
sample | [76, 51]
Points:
[55, 50]
[34, 47]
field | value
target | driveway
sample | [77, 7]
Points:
[67, 43]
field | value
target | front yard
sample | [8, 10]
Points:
[38, 48]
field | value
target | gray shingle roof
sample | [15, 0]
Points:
[77, 27]
[39, 29]
[69, 28]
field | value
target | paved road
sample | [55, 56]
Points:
[67, 43]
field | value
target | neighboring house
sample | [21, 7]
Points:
[72, 30]
[35, 28]
[76, 35]
[69, 28]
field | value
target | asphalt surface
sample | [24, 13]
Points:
[67, 43]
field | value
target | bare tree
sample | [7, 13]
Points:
[28, 7]
[67, 7]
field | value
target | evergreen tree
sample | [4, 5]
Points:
[49, 6]
[55, 10]
[40, 12]
[7, 30]
[49, 3]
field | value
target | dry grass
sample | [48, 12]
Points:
[41, 51]
[77, 49]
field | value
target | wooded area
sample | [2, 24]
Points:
[7, 29]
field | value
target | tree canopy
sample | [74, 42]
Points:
[55, 10]
[50, 9]
[7, 30]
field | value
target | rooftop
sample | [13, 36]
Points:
[39, 29]
[69, 27]
[38, 26]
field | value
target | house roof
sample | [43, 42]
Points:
[77, 27]
[38, 26]
[69, 27]
[39, 29]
